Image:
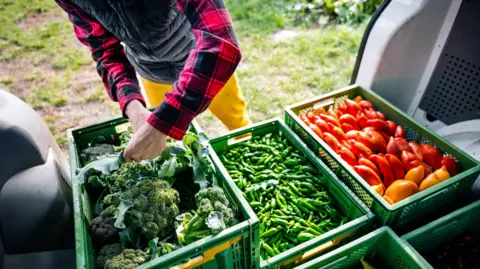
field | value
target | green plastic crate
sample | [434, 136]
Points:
[359, 215]
[411, 207]
[229, 249]
[384, 242]
[445, 229]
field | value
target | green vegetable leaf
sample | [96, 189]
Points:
[152, 248]
[120, 212]
[203, 145]
[105, 165]
[168, 168]
[189, 139]
[129, 238]
[215, 222]
[95, 181]
[157, 248]
[98, 206]
[176, 148]
[199, 162]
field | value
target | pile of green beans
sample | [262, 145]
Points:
[287, 194]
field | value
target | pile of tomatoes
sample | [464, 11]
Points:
[377, 150]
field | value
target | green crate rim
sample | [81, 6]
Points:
[71, 132]
[359, 242]
[366, 219]
[187, 252]
[441, 222]
[426, 194]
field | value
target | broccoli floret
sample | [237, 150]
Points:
[129, 174]
[228, 214]
[92, 153]
[204, 208]
[102, 228]
[213, 194]
[212, 215]
[197, 222]
[126, 136]
[155, 206]
[220, 203]
[129, 259]
[107, 252]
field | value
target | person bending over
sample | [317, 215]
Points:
[185, 52]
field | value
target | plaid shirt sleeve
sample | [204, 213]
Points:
[207, 69]
[117, 73]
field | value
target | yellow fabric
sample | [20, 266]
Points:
[228, 106]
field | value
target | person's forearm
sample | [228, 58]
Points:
[133, 107]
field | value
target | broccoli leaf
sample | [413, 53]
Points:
[199, 161]
[189, 138]
[176, 148]
[202, 146]
[105, 165]
[199, 175]
[129, 238]
[98, 206]
[168, 168]
[152, 248]
[120, 212]
[95, 181]
[157, 248]
[215, 222]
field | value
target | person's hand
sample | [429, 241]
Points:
[137, 114]
[146, 143]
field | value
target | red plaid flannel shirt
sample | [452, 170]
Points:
[206, 70]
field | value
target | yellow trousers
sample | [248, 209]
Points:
[228, 106]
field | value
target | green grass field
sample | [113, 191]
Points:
[42, 62]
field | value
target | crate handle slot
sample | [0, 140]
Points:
[207, 255]
[239, 138]
[316, 251]
[324, 103]
[446, 227]
[439, 193]
[337, 261]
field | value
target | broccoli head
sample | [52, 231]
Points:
[213, 214]
[128, 259]
[220, 203]
[227, 212]
[128, 174]
[213, 194]
[92, 153]
[107, 252]
[102, 228]
[155, 206]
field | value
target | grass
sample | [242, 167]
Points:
[259, 16]
[97, 96]
[284, 63]
[49, 41]
[42, 62]
[37, 35]
[275, 74]
[52, 96]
